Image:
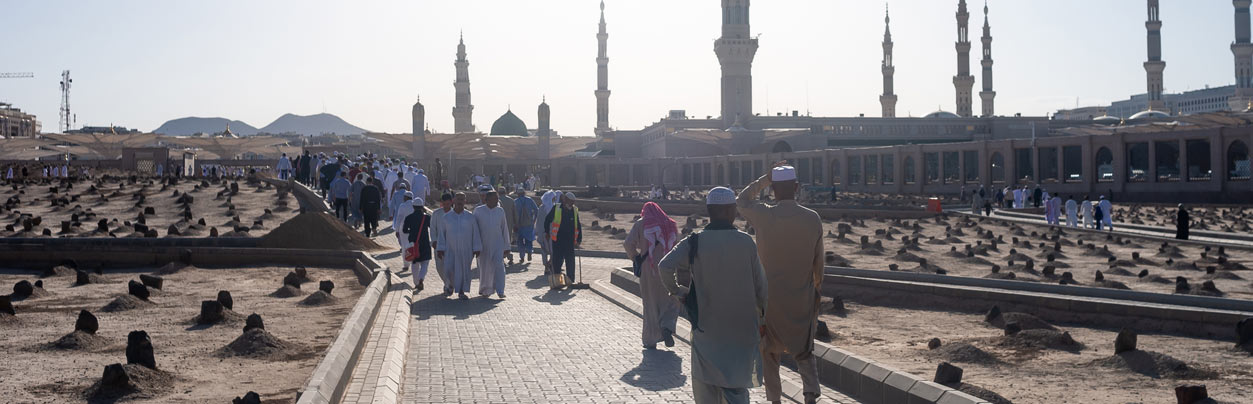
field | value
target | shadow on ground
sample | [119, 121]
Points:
[658, 370]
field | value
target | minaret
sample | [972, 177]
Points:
[544, 133]
[602, 76]
[888, 99]
[963, 81]
[1243, 52]
[1154, 66]
[735, 50]
[987, 95]
[463, 111]
[419, 130]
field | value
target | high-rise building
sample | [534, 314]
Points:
[1155, 66]
[888, 99]
[602, 75]
[735, 50]
[1242, 50]
[987, 95]
[963, 82]
[463, 111]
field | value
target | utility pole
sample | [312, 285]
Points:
[67, 119]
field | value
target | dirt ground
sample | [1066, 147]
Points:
[37, 372]
[948, 253]
[116, 201]
[898, 337]
[1231, 219]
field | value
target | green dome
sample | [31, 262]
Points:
[509, 125]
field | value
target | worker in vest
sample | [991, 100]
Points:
[563, 228]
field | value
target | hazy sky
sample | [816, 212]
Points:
[139, 63]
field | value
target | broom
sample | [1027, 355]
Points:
[581, 284]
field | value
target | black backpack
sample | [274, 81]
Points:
[689, 301]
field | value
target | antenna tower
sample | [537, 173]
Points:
[67, 119]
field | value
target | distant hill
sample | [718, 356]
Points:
[193, 125]
[311, 125]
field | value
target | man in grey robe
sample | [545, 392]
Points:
[730, 289]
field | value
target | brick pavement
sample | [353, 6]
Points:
[538, 346]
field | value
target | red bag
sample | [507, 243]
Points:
[412, 252]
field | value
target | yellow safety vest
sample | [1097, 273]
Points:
[556, 226]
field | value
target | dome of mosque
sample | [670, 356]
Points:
[1107, 120]
[1150, 114]
[509, 125]
[942, 114]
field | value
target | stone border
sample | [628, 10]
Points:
[334, 371]
[1024, 219]
[844, 371]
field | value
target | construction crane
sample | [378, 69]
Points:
[23, 75]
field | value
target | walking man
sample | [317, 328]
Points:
[369, 201]
[494, 233]
[339, 195]
[730, 290]
[506, 203]
[1181, 223]
[1107, 213]
[398, 226]
[458, 243]
[437, 221]
[563, 228]
[417, 230]
[651, 237]
[789, 240]
[1072, 212]
[1085, 208]
[525, 210]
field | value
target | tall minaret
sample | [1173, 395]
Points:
[888, 99]
[1154, 66]
[602, 76]
[1243, 52]
[463, 111]
[419, 130]
[987, 95]
[735, 50]
[963, 81]
[544, 133]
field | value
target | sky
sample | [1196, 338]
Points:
[138, 63]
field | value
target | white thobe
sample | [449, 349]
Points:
[437, 221]
[389, 181]
[494, 231]
[283, 167]
[421, 185]
[459, 240]
[1018, 196]
[1072, 214]
[398, 224]
[1086, 209]
[1107, 210]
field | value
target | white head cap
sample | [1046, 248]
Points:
[570, 195]
[783, 173]
[485, 189]
[720, 196]
[418, 201]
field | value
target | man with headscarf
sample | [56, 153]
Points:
[651, 237]
[545, 244]
[1072, 212]
[398, 225]
[525, 211]
[437, 220]
[417, 229]
[1182, 219]
[284, 167]
[458, 243]
[370, 201]
[731, 290]
[494, 233]
[789, 240]
[562, 227]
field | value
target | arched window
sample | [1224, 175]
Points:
[1104, 165]
[908, 169]
[998, 168]
[1238, 161]
[1137, 162]
[781, 147]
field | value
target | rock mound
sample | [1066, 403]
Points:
[134, 382]
[1039, 339]
[257, 343]
[319, 298]
[286, 291]
[79, 341]
[317, 230]
[124, 303]
[1155, 365]
[961, 352]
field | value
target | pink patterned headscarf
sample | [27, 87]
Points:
[661, 232]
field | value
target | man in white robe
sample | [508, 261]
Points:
[459, 243]
[1072, 212]
[494, 233]
[283, 167]
[437, 221]
[1053, 205]
[1019, 194]
[1086, 209]
[1107, 212]
[420, 184]
[398, 224]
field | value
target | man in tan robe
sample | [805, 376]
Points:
[789, 242]
[730, 289]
